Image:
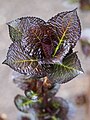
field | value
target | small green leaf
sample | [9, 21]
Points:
[31, 94]
[22, 103]
[55, 118]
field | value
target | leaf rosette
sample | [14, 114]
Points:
[41, 49]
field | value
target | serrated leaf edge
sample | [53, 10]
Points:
[62, 38]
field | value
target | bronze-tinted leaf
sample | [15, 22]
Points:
[38, 45]
[37, 39]
[25, 84]
[20, 26]
[40, 41]
[34, 33]
[68, 30]
[62, 73]
[40, 86]
[21, 62]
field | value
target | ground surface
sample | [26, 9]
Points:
[45, 9]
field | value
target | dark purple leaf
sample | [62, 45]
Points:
[62, 73]
[21, 62]
[39, 42]
[42, 39]
[44, 48]
[37, 39]
[55, 109]
[21, 26]
[68, 30]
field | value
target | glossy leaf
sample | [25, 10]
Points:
[67, 28]
[42, 39]
[22, 25]
[24, 104]
[19, 102]
[37, 39]
[21, 62]
[62, 73]
[42, 49]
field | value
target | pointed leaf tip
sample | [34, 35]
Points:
[62, 73]
[75, 9]
[4, 62]
[68, 30]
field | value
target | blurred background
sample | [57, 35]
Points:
[77, 91]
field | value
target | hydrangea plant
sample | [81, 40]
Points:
[43, 53]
